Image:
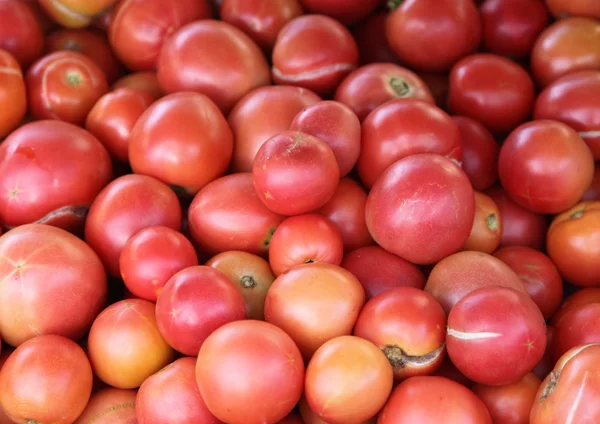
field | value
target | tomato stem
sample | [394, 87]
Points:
[248, 282]
[400, 87]
[492, 221]
[577, 215]
[73, 78]
[394, 4]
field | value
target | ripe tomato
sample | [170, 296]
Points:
[264, 358]
[314, 52]
[75, 13]
[189, 61]
[371, 39]
[20, 32]
[582, 297]
[110, 406]
[575, 327]
[39, 372]
[593, 192]
[453, 31]
[487, 227]
[314, 313]
[13, 95]
[142, 81]
[183, 140]
[564, 8]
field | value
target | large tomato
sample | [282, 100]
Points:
[13, 95]
[575, 327]
[110, 406]
[20, 32]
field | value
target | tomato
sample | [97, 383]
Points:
[399, 211]
[171, 396]
[314, 52]
[564, 8]
[448, 370]
[348, 380]
[510, 403]
[490, 346]
[75, 13]
[46, 179]
[310, 417]
[183, 140]
[572, 99]
[217, 224]
[125, 346]
[510, 27]
[457, 275]
[189, 61]
[138, 28]
[151, 257]
[20, 32]
[261, 21]
[574, 244]
[566, 46]
[13, 95]
[520, 227]
[379, 270]
[593, 192]
[125, 206]
[544, 367]
[453, 31]
[370, 86]
[143, 81]
[480, 152]
[267, 363]
[251, 274]
[250, 130]
[110, 406]
[90, 43]
[582, 297]
[371, 39]
[431, 400]
[492, 90]
[575, 327]
[314, 313]
[487, 227]
[39, 372]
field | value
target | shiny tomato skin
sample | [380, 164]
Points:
[545, 166]
[125, 206]
[493, 90]
[576, 327]
[371, 39]
[20, 32]
[370, 86]
[572, 99]
[399, 213]
[217, 224]
[582, 297]
[564, 8]
[593, 192]
[110, 406]
[13, 94]
[264, 358]
[75, 13]
[425, 129]
[189, 61]
[486, 232]
[142, 81]
[453, 31]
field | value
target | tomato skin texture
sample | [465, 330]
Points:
[171, 396]
[453, 31]
[425, 129]
[40, 370]
[479, 153]
[315, 52]
[487, 227]
[125, 206]
[265, 359]
[189, 61]
[510, 27]
[142, 81]
[371, 40]
[571, 99]
[493, 90]
[344, 11]
[13, 94]
[314, 313]
[20, 32]
[429, 400]
[39, 167]
[564, 8]
[405, 191]
[567, 46]
[370, 86]
[582, 297]
[593, 192]
[110, 406]
[545, 166]
[576, 327]
[151, 257]
[217, 224]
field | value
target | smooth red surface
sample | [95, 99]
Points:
[20, 32]
[13, 94]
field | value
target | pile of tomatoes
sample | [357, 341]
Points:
[300, 211]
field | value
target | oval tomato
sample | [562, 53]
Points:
[13, 95]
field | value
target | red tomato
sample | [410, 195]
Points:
[566, 46]
[182, 140]
[593, 192]
[250, 130]
[582, 297]
[46, 178]
[126, 206]
[125, 346]
[370, 86]
[266, 362]
[110, 406]
[13, 94]
[171, 396]
[314, 303]
[487, 227]
[217, 224]
[348, 12]
[75, 13]
[348, 380]
[453, 31]
[493, 90]
[39, 372]
[371, 39]
[151, 257]
[421, 208]
[564, 8]
[310, 417]
[510, 27]
[143, 81]
[576, 326]
[138, 28]
[189, 61]
[545, 166]
[288, 158]
[544, 367]
[314, 52]
[449, 370]
[20, 32]
[572, 99]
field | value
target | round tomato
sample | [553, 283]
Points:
[487, 226]
[75, 13]
[142, 81]
[576, 326]
[110, 406]
[20, 32]
[564, 8]
[13, 95]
